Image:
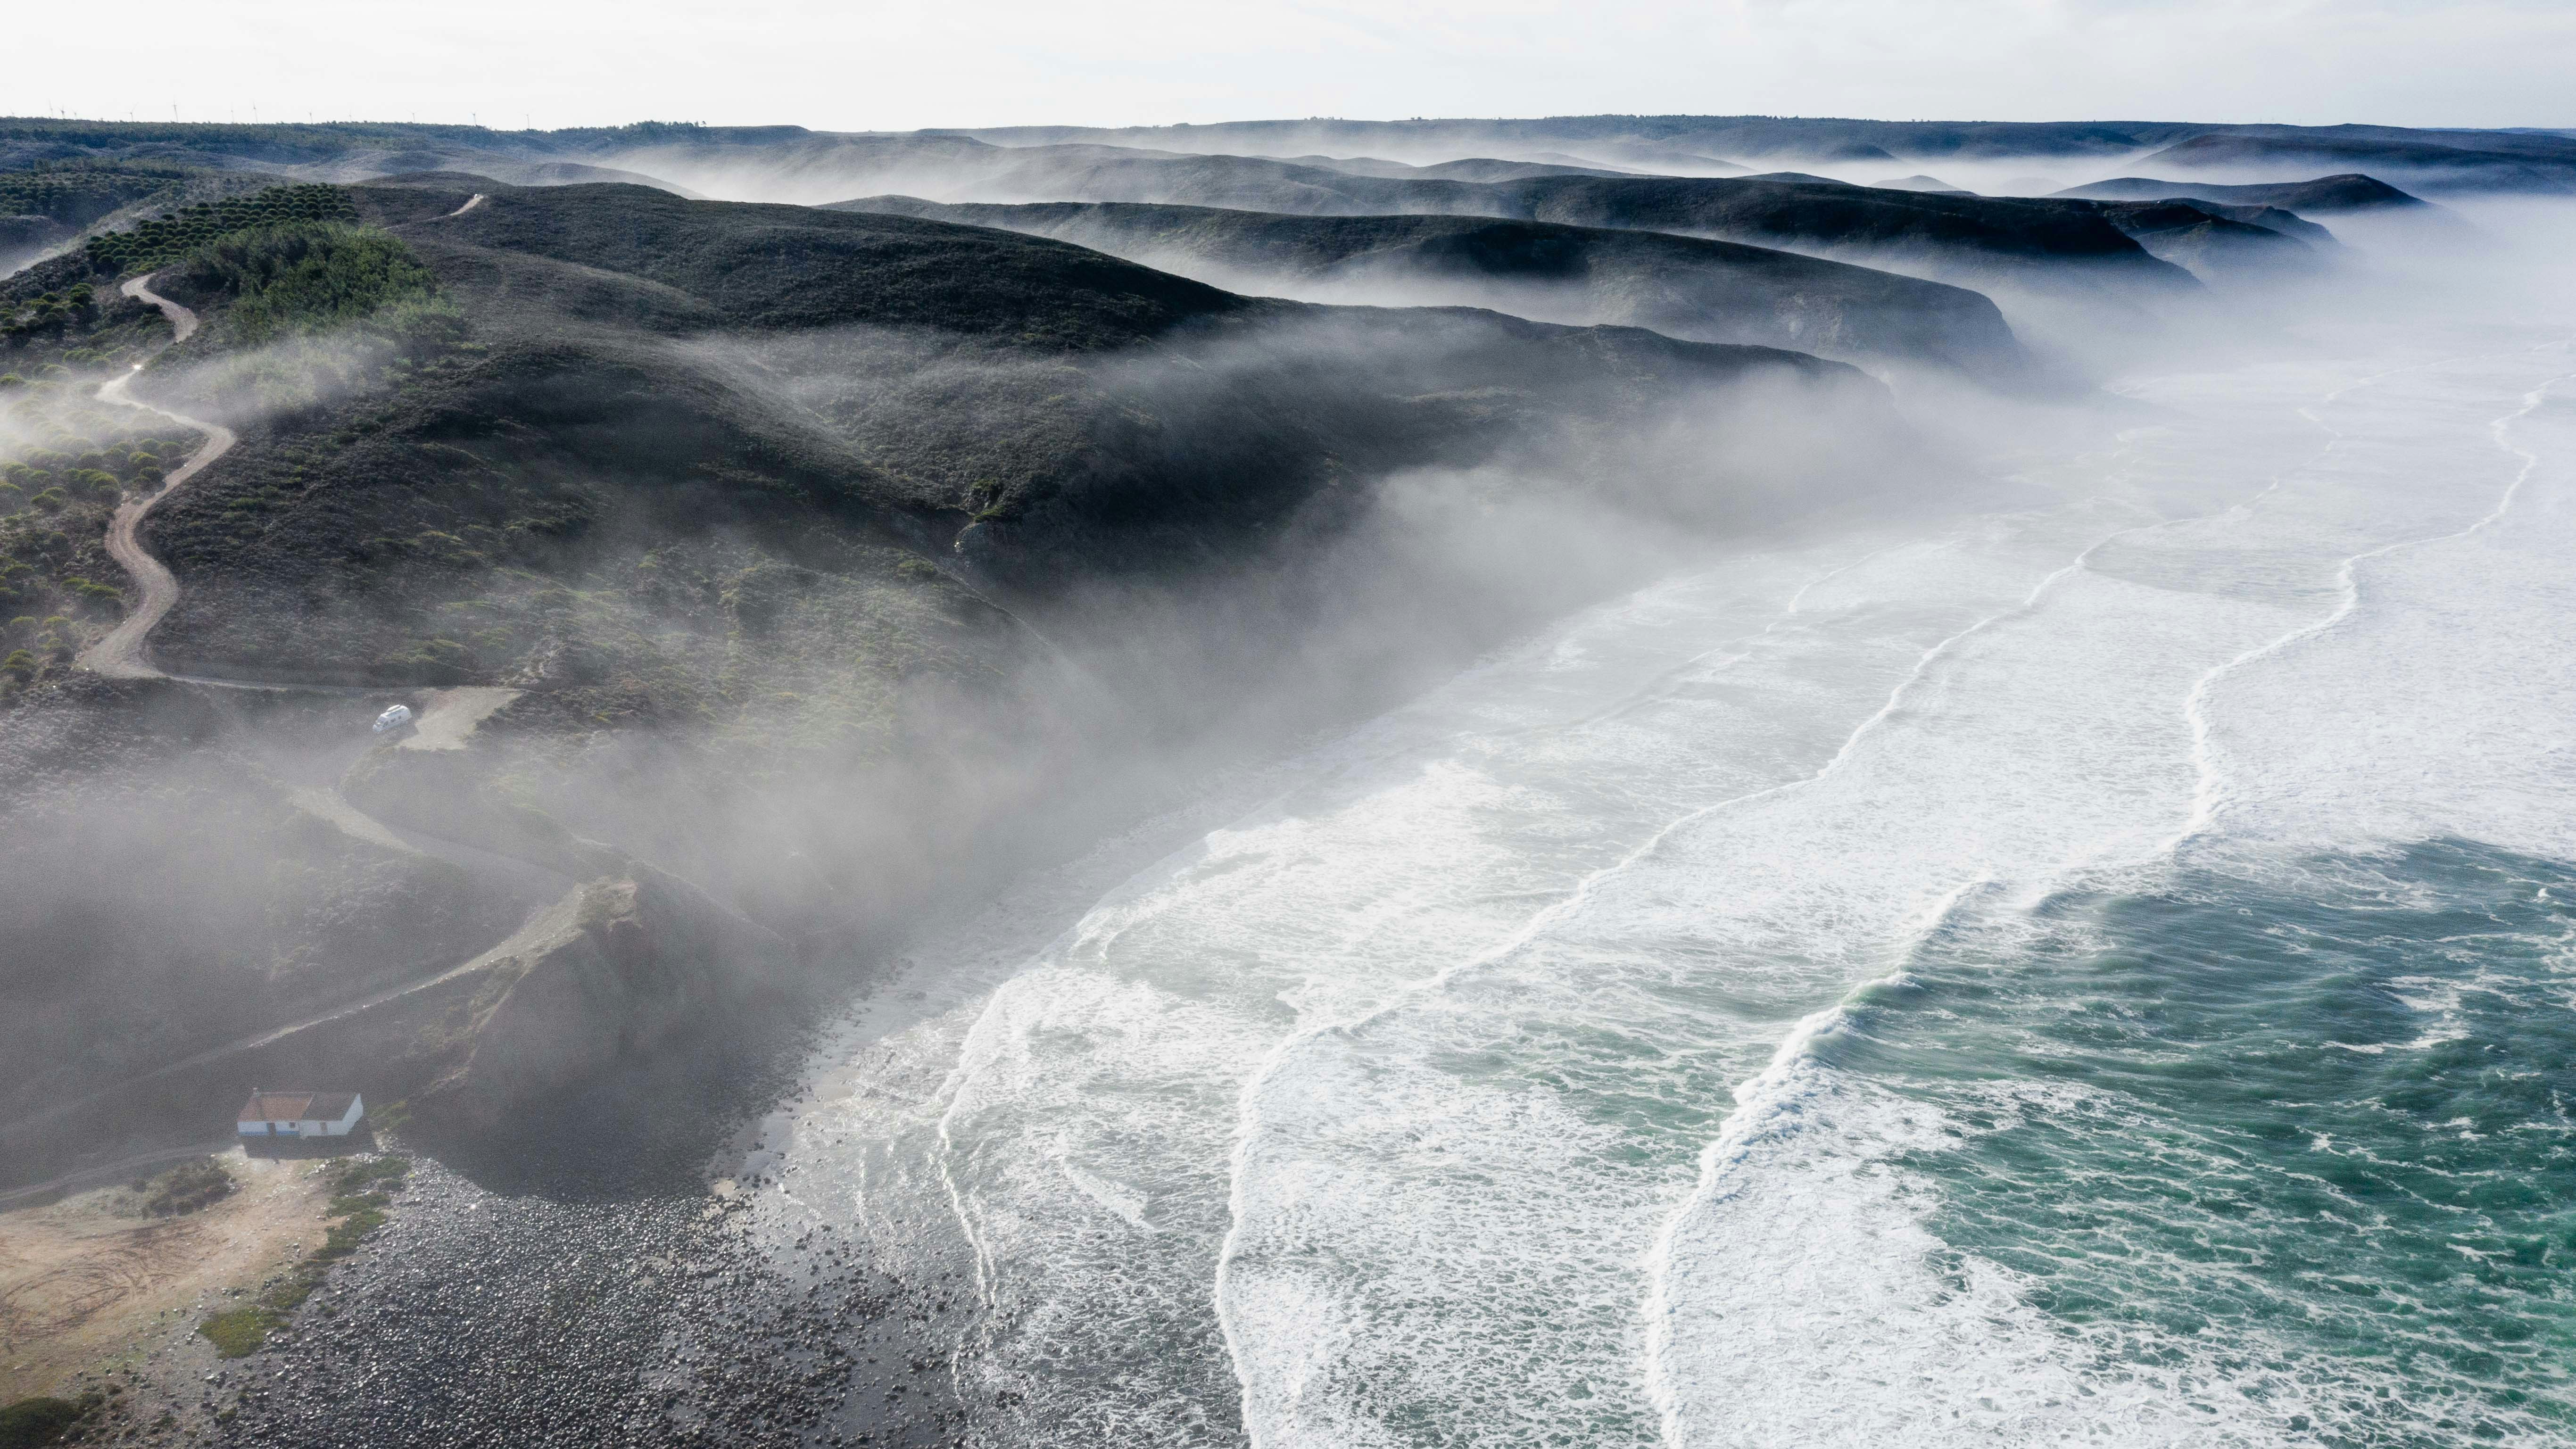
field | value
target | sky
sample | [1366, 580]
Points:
[855, 65]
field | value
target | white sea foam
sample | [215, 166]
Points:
[1406, 1108]
[1810, 1304]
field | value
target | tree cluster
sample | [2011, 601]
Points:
[164, 239]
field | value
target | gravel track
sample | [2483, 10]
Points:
[121, 655]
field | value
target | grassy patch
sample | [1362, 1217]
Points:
[187, 1188]
[359, 1197]
[345, 1236]
[360, 1173]
[30, 1423]
[240, 1332]
[288, 1293]
[360, 1193]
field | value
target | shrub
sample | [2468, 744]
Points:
[308, 277]
[365, 1215]
[241, 1332]
[288, 1293]
[30, 1423]
[172, 235]
[187, 1188]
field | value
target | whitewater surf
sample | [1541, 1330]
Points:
[2095, 968]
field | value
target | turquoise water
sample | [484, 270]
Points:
[2301, 1146]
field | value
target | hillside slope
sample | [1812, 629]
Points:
[642, 370]
[1686, 287]
[2049, 244]
[832, 565]
[2440, 165]
[2322, 196]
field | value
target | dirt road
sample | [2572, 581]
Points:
[448, 720]
[121, 654]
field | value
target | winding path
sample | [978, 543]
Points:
[449, 718]
[120, 655]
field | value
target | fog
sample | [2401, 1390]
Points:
[1596, 921]
[1062, 680]
[1163, 830]
[897, 744]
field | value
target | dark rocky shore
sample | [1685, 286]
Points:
[481, 1319]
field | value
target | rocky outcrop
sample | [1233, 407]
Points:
[622, 968]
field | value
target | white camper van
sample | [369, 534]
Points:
[394, 718]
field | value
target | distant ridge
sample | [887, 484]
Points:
[1687, 287]
[2324, 196]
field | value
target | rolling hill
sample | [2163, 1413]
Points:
[1684, 287]
[2323, 196]
[824, 564]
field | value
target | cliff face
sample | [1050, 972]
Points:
[621, 969]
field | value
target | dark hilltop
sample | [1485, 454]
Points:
[2323, 196]
[1688, 287]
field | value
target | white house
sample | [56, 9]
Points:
[300, 1114]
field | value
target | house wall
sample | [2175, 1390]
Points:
[340, 1128]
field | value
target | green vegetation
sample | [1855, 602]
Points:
[781, 268]
[187, 1188]
[51, 313]
[241, 1332]
[361, 1191]
[33, 1423]
[306, 277]
[78, 193]
[360, 1173]
[67, 462]
[168, 238]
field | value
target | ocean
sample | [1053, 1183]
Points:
[2097, 964]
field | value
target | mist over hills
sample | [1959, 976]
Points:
[1967, 235]
[806, 562]
[2438, 164]
[787, 544]
[1682, 286]
[2446, 160]
[2323, 196]
[887, 545]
